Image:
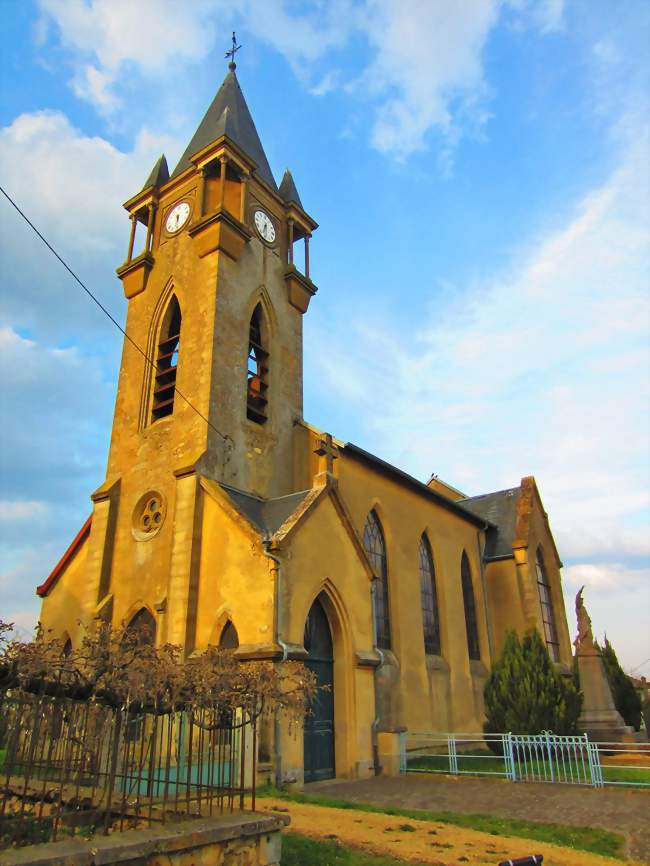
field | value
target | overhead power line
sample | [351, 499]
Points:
[106, 312]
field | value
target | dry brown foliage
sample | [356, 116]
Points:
[122, 667]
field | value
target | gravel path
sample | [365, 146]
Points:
[622, 810]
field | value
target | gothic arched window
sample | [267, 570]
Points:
[167, 361]
[258, 369]
[143, 626]
[373, 541]
[229, 639]
[546, 602]
[471, 625]
[429, 596]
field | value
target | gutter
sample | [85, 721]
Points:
[276, 567]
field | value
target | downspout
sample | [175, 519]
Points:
[266, 548]
[375, 723]
[488, 620]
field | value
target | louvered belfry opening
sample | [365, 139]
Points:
[258, 371]
[167, 362]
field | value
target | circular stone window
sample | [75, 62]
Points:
[148, 516]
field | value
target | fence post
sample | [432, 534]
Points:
[594, 763]
[451, 754]
[551, 757]
[402, 752]
[508, 753]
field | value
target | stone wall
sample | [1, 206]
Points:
[233, 840]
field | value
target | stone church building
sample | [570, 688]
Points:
[226, 518]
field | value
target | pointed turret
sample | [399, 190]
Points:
[229, 115]
[159, 173]
[288, 189]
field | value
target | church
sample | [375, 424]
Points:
[225, 518]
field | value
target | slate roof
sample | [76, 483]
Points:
[159, 173]
[267, 515]
[288, 189]
[500, 509]
[402, 477]
[229, 115]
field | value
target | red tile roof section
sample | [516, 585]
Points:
[78, 540]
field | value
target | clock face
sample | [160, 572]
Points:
[177, 217]
[264, 225]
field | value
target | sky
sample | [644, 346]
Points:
[480, 174]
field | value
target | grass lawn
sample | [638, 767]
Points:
[300, 851]
[591, 839]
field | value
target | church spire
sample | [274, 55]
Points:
[159, 173]
[229, 115]
[288, 189]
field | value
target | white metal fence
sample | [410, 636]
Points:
[545, 757]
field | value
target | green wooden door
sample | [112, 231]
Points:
[319, 722]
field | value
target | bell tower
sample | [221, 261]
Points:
[211, 372]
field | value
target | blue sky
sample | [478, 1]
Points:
[479, 171]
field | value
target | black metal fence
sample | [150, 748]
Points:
[70, 767]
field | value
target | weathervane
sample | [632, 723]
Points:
[232, 65]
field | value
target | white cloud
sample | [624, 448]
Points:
[614, 576]
[72, 188]
[154, 35]
[426, 69]
[18, 509]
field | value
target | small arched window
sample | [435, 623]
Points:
[258, 369]
[373, 541]
[429, 596]
[167, 361]
[471, 625]
[229, 639]
[546, 602]
[67, 648]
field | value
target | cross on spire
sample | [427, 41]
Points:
[235, 48]
[327, 450]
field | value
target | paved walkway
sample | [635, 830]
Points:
[623, 810]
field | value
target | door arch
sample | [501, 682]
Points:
[319, 722]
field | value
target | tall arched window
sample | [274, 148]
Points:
[258, 369]
[373, 541]
[429, 596]
[167, 361]
[546, 602]
[473, 647]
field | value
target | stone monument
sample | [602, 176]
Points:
[599, 717]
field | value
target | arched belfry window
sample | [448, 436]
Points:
[373, 541]
[167, 361]
[546, 602]
[258, 369]
[229, 639]
[471, 625]
[429, 596]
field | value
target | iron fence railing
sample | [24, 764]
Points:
[68, 766]
[545, 757]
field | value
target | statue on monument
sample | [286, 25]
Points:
[585, 636]
[599, 717]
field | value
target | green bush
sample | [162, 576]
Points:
[626, 697]
[525, 694]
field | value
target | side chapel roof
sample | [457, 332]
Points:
[500, 509]
[267, 515]
[228, 115]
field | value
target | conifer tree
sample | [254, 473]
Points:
[626, 697]
[525, 694]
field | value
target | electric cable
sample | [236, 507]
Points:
[107, 312]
